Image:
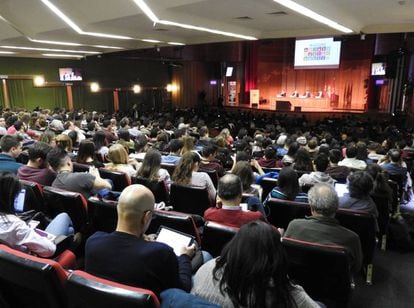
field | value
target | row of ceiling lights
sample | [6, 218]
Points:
[151, 15]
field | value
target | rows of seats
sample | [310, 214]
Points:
[29, 281]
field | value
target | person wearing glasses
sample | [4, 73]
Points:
[128, 256]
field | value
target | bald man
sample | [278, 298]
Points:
[126, 256]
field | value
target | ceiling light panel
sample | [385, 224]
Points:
[313, 15]
[49, 49]
[60, 55]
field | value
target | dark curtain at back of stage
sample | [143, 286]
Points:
[250, 67]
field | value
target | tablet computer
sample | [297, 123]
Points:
[19, 201]
[173, 238]
[341, 189]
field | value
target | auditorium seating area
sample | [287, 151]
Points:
[323, 270]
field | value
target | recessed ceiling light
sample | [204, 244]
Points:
[176, 43]
[150, 14]
[60, 55]
[54, 42]
[75, 27]
[313, 15]
[49, 49]
[6, 52]
[106, 46]
[151, 41]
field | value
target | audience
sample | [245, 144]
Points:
[11, 147]
[118, 160]
[323, 228]
[288, 187]
[37, 168]
[321, 162]
[252, 271]
[228, 210]
[128, 256]
[351, 161]
[18, 234]
[186, 173]
[85, 183]
[151, 168]
[86, 154]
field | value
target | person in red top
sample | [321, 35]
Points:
[230, 213]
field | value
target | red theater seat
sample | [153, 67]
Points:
[86, 290]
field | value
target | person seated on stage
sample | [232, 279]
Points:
[321, 162]
[287, 187]
[85, 183]
[281, 94]
[209, 161]
[360, 185]
[129, 257]
[37, 168]
[295, 94]
[186, 173]
[11, 147]
[323, 228]
[174, 146]
[16, 233]
[351, 161]
[229, 211]
[339, 173]
[252, 271]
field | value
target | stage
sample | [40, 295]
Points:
[298, 105]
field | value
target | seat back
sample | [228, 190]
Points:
[34, 196]
[322, 270]
[78, 167]
[400, 179]
[29, 281]
[212, 174]
[216, 236]
[102, 214]
[86, 290]
[267, 184]
[363, 224]
[384, 210]
[120, 180]
[189, 199]
[73, 203]
[169, 167]
[158, 188]
[282, 212]
[175, 220]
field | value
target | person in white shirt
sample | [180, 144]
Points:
[351, 161]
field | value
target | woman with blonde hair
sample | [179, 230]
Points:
[189, 143]
[118, 160]
[186, 173]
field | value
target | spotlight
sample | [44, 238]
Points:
[136, 88]
[95, 87]
[39, 81]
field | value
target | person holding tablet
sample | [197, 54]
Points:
[19, 235]
[128, 256]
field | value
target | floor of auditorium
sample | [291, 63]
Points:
[393, 282]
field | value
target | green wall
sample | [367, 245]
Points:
[109, 70]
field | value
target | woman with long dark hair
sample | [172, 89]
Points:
[16, 233]
[86, 154]
[151, 167]
[186, 173]
[250, 272]
[288, 187]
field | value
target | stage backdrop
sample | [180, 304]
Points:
[342, 88]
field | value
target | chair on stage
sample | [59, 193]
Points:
[86, 290]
